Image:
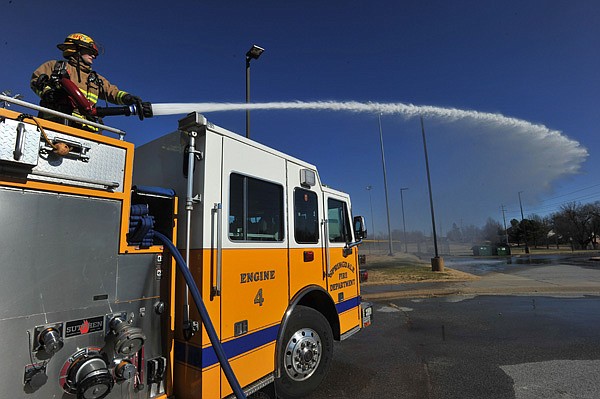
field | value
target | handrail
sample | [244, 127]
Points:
[326, 238]
[218, 210]
[100, 126]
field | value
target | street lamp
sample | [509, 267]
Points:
[403, 219]
[8, 93]
[387, 207]
[252, 54]
[437, 263]
[369, 188]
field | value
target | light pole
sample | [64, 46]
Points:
[403, 219]
[252, 54]
[437, 263]
[369, 188]
[8, 93]
[387, 206]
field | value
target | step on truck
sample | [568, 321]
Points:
[207, 266]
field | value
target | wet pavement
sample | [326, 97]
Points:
[472, 346]
[513, 275]
[527, 328]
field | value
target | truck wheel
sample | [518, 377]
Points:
[306, 354]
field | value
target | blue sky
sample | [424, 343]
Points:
[536, 61]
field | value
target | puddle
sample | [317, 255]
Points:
[480, 266]
[530, 261]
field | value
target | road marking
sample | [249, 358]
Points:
[392, 308]
[388, 309]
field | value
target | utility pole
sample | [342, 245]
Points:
[524, 229]
[504, 218]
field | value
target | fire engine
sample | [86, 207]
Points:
[207, 266]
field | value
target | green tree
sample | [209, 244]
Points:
[515, 233]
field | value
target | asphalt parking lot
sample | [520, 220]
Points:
[472, 347]
[528, 331]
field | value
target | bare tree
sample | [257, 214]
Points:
[575, 222]
[493, 231]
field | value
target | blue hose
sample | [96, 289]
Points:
[210, 329]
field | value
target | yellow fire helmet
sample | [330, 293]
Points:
[76, 42]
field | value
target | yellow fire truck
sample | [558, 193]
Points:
[209, 266]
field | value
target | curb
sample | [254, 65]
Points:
[466, 291]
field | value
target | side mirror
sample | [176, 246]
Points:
[360, 230]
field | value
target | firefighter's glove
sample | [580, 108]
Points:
[129, 99]
[50, 96]
[41, 82]
[147, 110]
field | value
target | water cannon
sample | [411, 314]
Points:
[143, 110]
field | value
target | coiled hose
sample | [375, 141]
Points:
[210, 329]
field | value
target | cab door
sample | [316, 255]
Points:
[254, 258]
[341, 260]
[305, 204]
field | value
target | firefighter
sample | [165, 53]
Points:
[79, 52]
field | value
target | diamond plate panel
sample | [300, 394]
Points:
[8, 143]
[91, 164]
[101, 164]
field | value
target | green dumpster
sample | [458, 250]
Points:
[503, 250]
[482, 250]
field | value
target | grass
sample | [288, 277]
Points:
[405, 268]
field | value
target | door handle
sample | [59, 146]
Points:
[217, 210]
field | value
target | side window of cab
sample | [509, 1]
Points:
[339, 224]
[306, 217]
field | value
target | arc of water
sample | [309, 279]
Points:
[537, 131]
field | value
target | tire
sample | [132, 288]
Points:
[307, 351]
